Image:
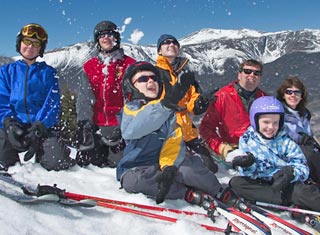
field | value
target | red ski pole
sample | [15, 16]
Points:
[79, 197]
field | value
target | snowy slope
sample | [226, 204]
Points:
[54, 219]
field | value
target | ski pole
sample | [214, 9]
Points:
[286, 208]
[79, 197]
[160, 217]
[227, 165]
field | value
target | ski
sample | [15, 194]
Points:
[22, 193]
[275, 223]
[22, 198]
[242, 221]
[45, 193]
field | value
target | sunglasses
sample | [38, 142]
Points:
[146, 79]
[28, 42]
[296, 92]
[34, 31]
[109, 33]
[169, 41]
[249, 71]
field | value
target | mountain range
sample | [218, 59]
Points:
[215, 55]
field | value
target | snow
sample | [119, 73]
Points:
[49, 218]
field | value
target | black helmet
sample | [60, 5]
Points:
[33, 31]
[130, 92]
[106, 26]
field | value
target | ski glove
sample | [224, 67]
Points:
[113, 138]
[202, 103]
[243, 160]
[15, 134]
[176, 92]
[165, 180]
[304, 139]
[85, 133]
[282, 178]
[37, 134]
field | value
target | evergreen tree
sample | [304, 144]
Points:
[68, 121]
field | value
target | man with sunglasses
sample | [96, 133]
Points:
[30, 106]
[100, 99]
[172, 68]
[227, 118]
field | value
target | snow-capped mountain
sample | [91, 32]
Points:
[215, 55]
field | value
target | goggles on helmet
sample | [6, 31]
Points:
[34, 31]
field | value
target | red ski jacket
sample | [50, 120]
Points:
[107, 88]
[226, 119]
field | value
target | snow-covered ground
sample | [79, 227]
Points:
[55, 219]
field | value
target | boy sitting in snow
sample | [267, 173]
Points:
[273, 168]
[155, 161]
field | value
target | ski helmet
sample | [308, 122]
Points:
[33, 30]
[130, 92]
[104, 26]
[265, 105]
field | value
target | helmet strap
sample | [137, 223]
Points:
[30, 59]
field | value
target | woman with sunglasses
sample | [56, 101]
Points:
[100, 98]
[293, 95]
[30, 106]
[155, 160]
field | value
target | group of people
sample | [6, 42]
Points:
[137, 117]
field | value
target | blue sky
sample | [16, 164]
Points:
[71, 21]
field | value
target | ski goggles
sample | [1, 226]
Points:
[296, 92]
[249, 71]
[34, 31]
[28, 42]
[146, 79]
[109, 33]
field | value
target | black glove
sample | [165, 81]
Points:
[15, 133]
[282, 178]
[176, 92]
[244, 160]
[165, 181]
[202, 103]
[112, 139]
[37, 133]
[304, 139]
[85, 133]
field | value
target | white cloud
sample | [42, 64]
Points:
[126, 22]
[136, 36]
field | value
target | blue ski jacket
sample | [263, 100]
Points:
[296, 124]
[272, 155]
[29, 93]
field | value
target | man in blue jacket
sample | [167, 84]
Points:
[30, 106]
